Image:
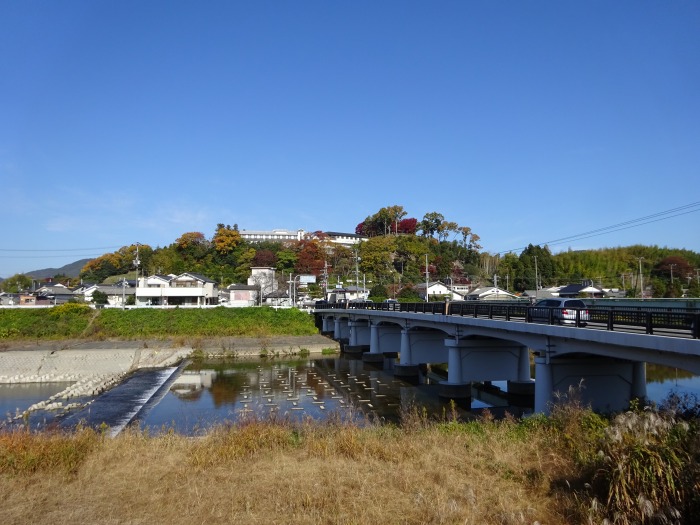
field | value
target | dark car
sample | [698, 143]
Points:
[562, 311]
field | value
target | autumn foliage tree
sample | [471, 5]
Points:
[226, 239]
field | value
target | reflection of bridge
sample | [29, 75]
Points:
[610, 362]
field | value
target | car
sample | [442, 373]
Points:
[390, 301]
[562, 310]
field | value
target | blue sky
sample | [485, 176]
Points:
[137, 121]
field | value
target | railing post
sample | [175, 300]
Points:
[610, 320]
[648, 323]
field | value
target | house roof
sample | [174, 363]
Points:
[242, 287]
[277, 294]
[490, 290]
[197, 276]
[575, 289]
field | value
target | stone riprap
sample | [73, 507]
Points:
[90, 371]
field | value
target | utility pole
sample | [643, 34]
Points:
[427, 278]
[671, 265]
[641, 278]
[357, 274]
[536, 277]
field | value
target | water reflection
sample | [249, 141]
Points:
[217, 392]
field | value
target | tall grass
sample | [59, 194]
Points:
[53, 453]
[571, 467]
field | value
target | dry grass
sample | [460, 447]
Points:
[274, 472]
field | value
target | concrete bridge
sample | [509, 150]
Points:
[612, 364]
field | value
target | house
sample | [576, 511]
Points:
[240, 295]
[53, 294]
[542, 293]
[437, 289]
[116, 295]
[277, 298]
[585, 289]
[263, 278]
[9, 299]
[187, 289]
[490, 293]
[349, 240]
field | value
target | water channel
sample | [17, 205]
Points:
[196, 395]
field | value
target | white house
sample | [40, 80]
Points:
[187, 289]
[437, 289]
[116, 295]
[263, 278]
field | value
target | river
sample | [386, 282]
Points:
[193, 397]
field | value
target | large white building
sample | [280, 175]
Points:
[271, 235]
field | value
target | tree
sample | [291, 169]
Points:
[431, 223]
[226, 239]
[376, 256]
[408, 226]
[469, 240]
[408, 294]
[445, 228]
[378, 292]
[99, 297]
[17, 283]
[265, 258]
[310, 257]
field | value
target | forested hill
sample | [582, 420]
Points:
[397, 253]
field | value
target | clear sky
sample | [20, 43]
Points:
[137, 121]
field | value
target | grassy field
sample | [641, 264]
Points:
[573, 467]
[71, 321]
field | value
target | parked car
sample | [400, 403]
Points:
[563, 311]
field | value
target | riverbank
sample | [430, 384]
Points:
[564, 469]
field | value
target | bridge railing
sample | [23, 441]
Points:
[682, 322]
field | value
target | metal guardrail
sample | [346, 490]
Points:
[671, 322]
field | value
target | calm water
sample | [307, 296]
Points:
[192, 398]
[211, 393]
[16, 398]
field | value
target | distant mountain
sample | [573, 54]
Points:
[69, 270]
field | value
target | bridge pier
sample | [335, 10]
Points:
[341, 330]
[327, 325]
[455, 388]
[406, 368]
[524, 385]
[374, 356]
[359, 337]
[608, 384]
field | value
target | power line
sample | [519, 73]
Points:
[633, 223]
[51, 250]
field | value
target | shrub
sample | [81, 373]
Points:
[643, 463]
